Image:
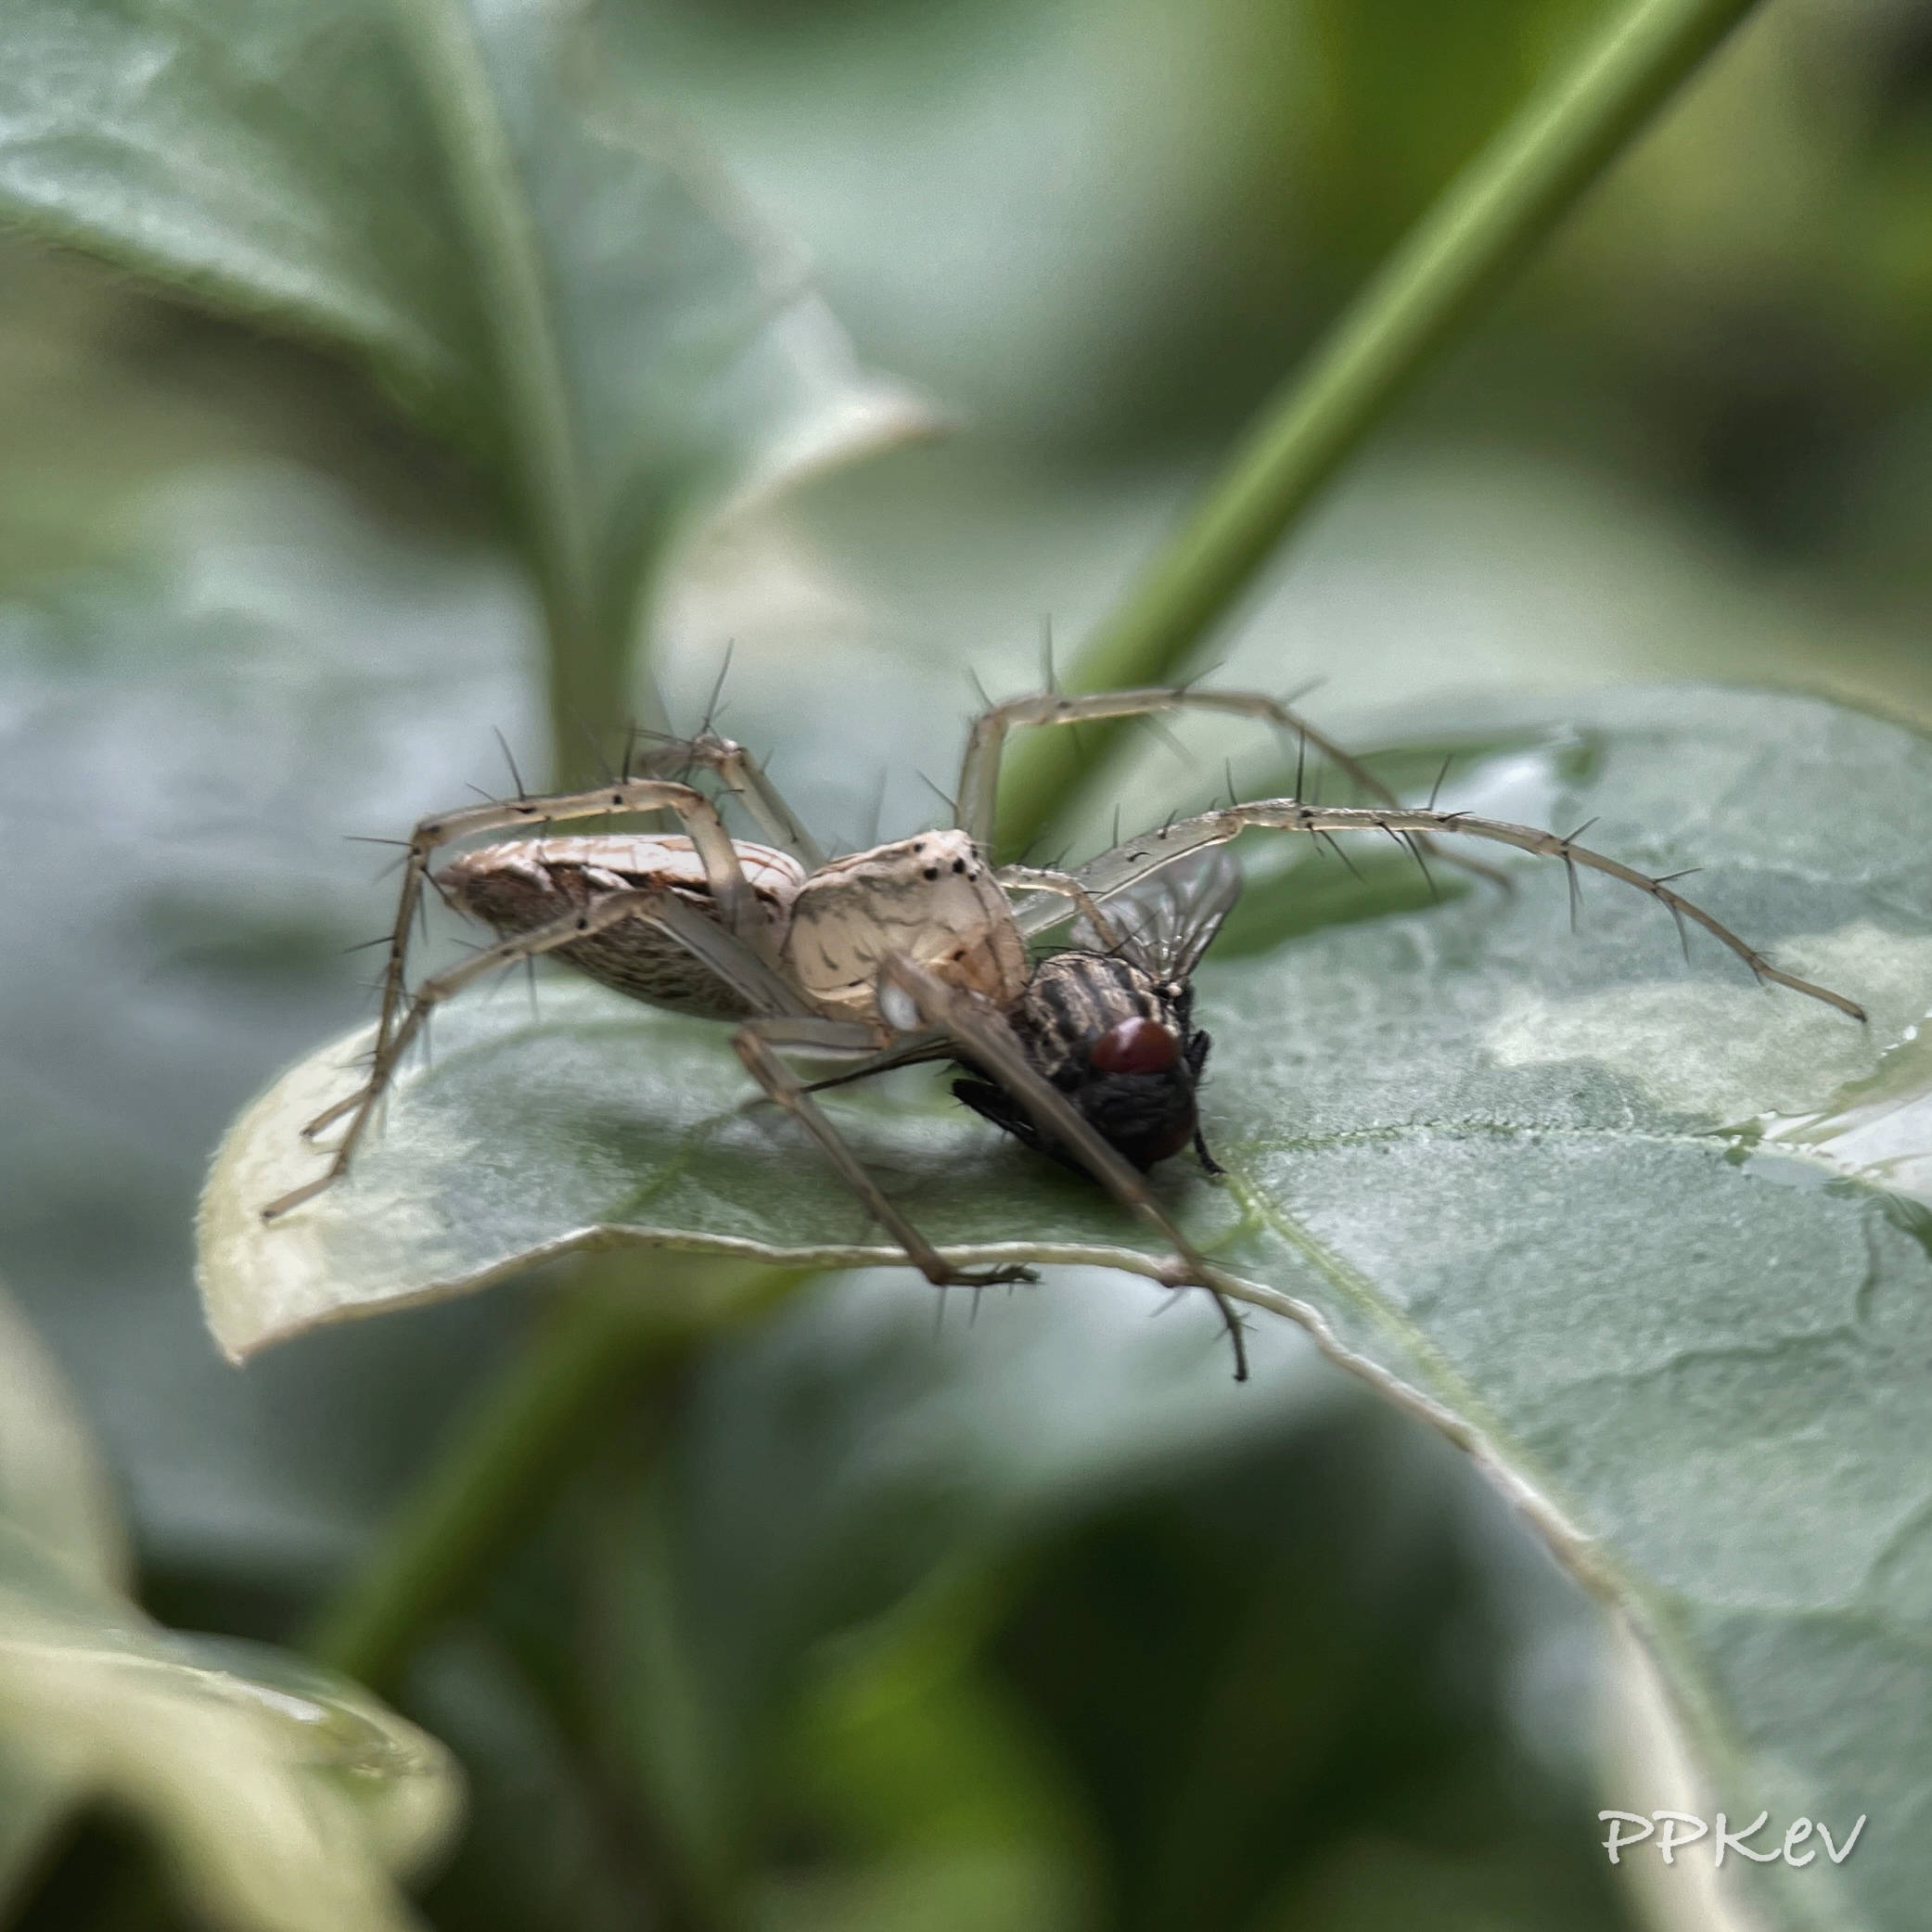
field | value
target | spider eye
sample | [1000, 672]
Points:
[1135, 1046]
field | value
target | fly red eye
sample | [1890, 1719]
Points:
[1135, 1046]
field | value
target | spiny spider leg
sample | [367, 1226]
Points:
[979, 771]
[781, 1084]
[1061, 885]
[1113, 871]
[834, 1039]
[738, 903]
[908, 1050]
[984, 1039]
[745, 778]
[725, 955]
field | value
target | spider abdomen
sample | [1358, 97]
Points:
[523, 884]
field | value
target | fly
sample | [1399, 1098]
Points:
[1109, 1022]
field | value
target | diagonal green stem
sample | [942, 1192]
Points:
[1494, 214]
[618, 1336]
[588, 642]
[614, 1337]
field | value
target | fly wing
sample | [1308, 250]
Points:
[1169, 919]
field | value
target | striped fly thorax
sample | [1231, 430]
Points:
[1074, 999]
[1120, 1045]
[1110, 1021]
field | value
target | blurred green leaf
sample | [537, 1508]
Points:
[111, 392]
[473, 204]
[52, 1487]
[540, 1848]
[190, 735]
[286, 1798]
[1314, 1645]
[1065, 1551]
[54, 1492]
[1481, 1147]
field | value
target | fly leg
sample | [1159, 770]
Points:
[753, 1042]
[986, 1042]
[1197, 1062]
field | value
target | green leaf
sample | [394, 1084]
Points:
[476, 205]
[536, 1850]
[53, 1485]
[286, 1798]
[1481, 1154]
[1222, 1637]
[54, 1491]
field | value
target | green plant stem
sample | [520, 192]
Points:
[589, 625]
[1480, 229]
[627, 1328]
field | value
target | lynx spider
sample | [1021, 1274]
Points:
[912, 949]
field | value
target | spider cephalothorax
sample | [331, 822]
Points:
[913, 950]
[932, 899]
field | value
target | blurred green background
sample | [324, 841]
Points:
[1296, 1671]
